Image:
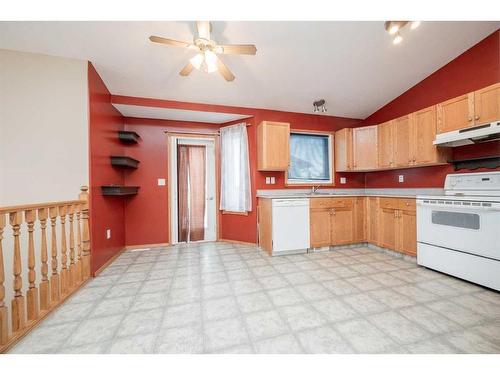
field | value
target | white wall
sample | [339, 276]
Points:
[44, 152]
[43, 128]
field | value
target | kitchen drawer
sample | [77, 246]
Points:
[407, 204]
[331, 203]
[389, 203]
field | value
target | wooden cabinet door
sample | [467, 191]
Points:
[365, 148]
[385, 133]
[343, 150]
[359, 219]
[320, 227]
[456, 113]
[487, 104]
[342, 228]
[273, 146]
[424, 133]
[407, 230]
[372, 220]
[388, 227]
[402, 131]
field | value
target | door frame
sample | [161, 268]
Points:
[216, 138]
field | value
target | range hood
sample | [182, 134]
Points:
[476, 134]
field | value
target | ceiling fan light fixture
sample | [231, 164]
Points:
[397, 39]
[197, 60]
[211, 61]
[414, 25]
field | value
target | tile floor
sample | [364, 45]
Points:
[225, 298]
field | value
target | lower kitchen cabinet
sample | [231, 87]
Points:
[321, 224]
[372, 220]
[359, 219]
[398, 225]
[332, 221]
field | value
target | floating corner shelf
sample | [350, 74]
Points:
[490, 162]
[128, 136]
[124, 162]
[119, 190]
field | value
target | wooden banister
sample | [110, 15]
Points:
[67, 273]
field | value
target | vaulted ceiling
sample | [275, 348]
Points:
[352, 65]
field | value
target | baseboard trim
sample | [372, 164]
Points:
[132, 247]
[238, 242]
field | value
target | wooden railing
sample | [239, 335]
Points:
[69, 261]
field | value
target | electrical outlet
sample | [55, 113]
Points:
[401, 178]
[273, 180]
[343, 180]
[162, 182]
[268, 180]
[108, 234]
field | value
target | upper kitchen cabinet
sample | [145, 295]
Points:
[343, 150]
[423, 151]
[402, 140]
[456, 113]
[487, 104]
[385, 145]
[364, 144]
[273, 146]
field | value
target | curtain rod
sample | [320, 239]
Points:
[198, 133]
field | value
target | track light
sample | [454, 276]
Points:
[394, 28]
[319, 106]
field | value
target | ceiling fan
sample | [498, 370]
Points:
[207, 49]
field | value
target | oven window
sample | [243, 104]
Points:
[456, 219]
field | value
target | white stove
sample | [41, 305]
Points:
[459, 232]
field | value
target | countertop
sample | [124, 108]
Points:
[339, 193]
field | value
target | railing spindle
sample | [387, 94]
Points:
[64, 251]
[84, 195]
[4, 327]
[18, 317]
[44, 283]
[32, 293]
[72, 269]
[79, 275]
[55, 293]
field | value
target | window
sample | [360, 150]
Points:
[310, 159]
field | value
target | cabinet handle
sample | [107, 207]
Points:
[477, 117]
[470, 118]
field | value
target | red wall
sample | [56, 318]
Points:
[475, 68]
[146, 219]
[106, 212]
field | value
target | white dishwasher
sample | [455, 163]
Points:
[290, 226]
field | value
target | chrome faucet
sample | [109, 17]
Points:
[314, 189]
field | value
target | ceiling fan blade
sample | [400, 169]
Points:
[203, 29]
[226, 73]
[171, 42]
[238, 49]
[187, 69]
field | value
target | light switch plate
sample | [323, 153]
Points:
[268, 180]
[343, 180]
[161, 182]
[273, 180]
[401, 178]
[108, 234]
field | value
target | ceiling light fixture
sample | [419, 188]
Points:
[319, 105]
[397, 39]
[394, 28]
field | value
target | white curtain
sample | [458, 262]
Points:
[235, 189]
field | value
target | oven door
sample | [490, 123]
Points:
[467, 228]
